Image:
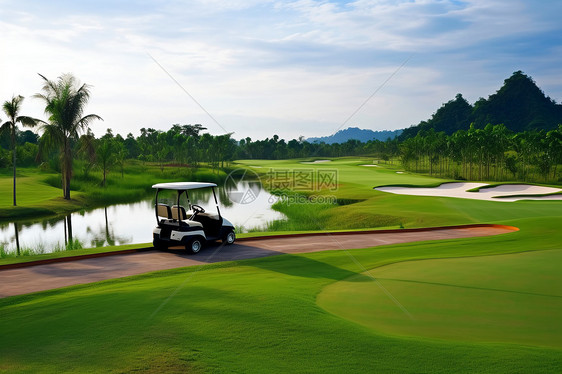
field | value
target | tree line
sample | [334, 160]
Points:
[489, 153]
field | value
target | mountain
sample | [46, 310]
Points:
[356, 133]
[519, 104]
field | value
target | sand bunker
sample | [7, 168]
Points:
[376, 166]
[504, 192]
[315, 162]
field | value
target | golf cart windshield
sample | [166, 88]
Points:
[177, 212]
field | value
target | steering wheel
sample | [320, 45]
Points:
[197, 209]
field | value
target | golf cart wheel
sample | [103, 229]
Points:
[194, 245]
[229, 238]
[159, 244]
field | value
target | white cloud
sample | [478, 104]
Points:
[292, 68]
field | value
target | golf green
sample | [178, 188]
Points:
[515, 298]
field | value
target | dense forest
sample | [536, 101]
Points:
[491, 153]
[515, 134]
[183, 144]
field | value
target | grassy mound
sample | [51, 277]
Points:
[513, 298]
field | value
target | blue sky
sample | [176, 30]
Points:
[290, 68]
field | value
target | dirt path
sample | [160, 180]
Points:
[55, 275]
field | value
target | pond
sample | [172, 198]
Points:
[133, 223]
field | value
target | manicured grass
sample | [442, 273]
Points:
[30, 189]
[513, 298]
[354, 181]
[375, 209]
[262, 315]
[359, 206]
[252, 316]
[34, 196]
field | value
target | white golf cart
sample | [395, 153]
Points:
[191, 228]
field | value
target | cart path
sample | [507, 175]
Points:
[55, 275]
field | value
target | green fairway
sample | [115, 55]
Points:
[253, 316]
[35, 197]
[263, 315]
[510, 298]
[364, 207]
[30, 190]
[354, 181]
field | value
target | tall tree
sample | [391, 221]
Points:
[105, 156]
[12, 109]
[65, 100]
[120, 154]
[87, 151]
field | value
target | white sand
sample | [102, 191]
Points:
[491, 194]
[316, 162]
[376, 166]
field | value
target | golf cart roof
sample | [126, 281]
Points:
[182, 186]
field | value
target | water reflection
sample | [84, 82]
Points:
[126, 223]
[16, 229]
[67, 229]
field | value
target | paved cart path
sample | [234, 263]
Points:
[55, 275]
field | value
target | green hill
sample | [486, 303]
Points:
[519, 104]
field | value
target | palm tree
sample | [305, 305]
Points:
[65, 101]
[105, 155]
[12, 108]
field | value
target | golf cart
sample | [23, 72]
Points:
[190, 228]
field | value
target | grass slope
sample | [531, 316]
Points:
[34, 197]
[251, 316]
[509, 298]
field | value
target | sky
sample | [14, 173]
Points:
[292, 68]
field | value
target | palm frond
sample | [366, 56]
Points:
[84, 122]
[27, 121]
[52, 137]
[48, 86]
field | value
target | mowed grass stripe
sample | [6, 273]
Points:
[250, 316]
[514, 298]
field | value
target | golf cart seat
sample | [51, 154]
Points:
[178, 213]
[164, 211]
[211, 222]
[209, 216]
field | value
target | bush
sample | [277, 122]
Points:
[26, 154]
[5, 158]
